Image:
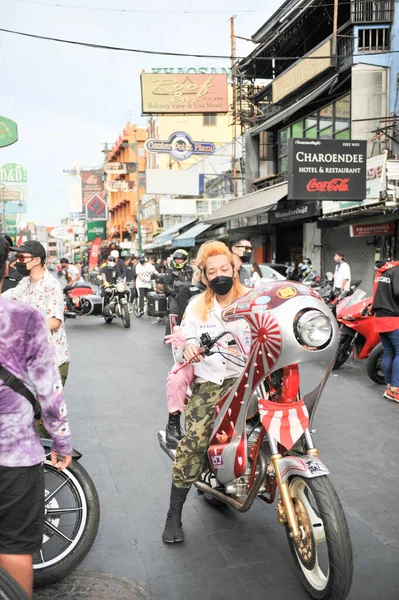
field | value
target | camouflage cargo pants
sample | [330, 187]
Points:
[191, 452]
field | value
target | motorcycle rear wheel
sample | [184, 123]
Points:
[72, 517]
[374, 365]
[9, 588]
[344, 351]
[136, 308]
[125, 316]
[324, 556]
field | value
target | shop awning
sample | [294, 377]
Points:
[187, 239]
[165, 238]
[251, 204]
[294, 107]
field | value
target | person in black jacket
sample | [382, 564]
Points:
[14, 275]
[385, 309]
[178, 274]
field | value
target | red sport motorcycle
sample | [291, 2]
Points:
[261, 446]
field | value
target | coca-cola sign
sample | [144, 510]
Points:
[326, 169]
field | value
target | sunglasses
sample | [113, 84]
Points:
[245, 248]
[21, 258]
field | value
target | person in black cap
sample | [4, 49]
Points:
[13, 276]
[40, 289]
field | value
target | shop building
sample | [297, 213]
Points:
[344, 87]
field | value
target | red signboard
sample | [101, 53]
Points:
[372, 229]
[94, 253]
[92, 183]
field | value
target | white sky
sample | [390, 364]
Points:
[68, 100]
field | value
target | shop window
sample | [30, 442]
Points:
[297, 130]
[343, 135]
[326, 133]
[374, 40]
[209, 119]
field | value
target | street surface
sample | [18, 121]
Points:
[116, 397]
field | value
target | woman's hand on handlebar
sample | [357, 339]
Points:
[190, 353]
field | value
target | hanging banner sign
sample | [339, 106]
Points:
[96, 229]
[372, 229]
[8, 132]
[180, 146]
[13, 173]
[92, 183]
[94, 253]
[96, 209]
[326, 169]
[119, 168]
[119, 185]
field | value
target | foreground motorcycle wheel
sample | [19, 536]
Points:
[9, 588]
[72, 516]
[374, 365]
[125, 316]
[324, 555]
[344, 351]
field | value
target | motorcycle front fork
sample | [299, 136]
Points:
[285, 507]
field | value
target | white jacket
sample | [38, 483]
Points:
[215, 368]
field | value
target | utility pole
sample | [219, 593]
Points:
[234, 110]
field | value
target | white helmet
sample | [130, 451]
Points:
[115, 253]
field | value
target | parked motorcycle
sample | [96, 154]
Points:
[329, 296]
[72, 516]
[357, 334]
[80, 301]
[262, 443]
[116, 303]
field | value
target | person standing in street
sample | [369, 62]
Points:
[14, 273]
[73, 275]
[342, 275]
[144, 271]
[42, 291]
[241, 249]
[385, 310]
[27, 360]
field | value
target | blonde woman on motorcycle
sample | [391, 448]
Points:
[213, 374]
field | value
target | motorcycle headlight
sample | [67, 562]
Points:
[120, 287]
[313, 329]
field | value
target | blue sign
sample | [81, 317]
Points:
[180, 146]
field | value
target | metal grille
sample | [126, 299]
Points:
[374, 40]
[358, 254]
[372, 11]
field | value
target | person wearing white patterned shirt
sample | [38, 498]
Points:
[42, 291]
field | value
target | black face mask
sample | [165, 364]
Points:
[221, 285]
[22, 268]
[246, 257]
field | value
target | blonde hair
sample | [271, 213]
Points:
[205, 301]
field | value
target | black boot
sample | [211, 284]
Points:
[173, 531]
[173, 431]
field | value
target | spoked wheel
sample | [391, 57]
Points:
[136, 308]
[374, 364]
[344, 351]
[72, 516]
[9, 588]
[125, 316]
[324, 554]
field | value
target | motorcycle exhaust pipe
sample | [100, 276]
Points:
[207, 489]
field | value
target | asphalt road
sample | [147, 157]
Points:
[116, 396]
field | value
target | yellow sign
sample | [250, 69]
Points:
[183, 93]
[303, 71]
[286, 292]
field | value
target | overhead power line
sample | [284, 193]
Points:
[165, 53]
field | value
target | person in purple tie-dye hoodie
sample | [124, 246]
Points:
[27, 354]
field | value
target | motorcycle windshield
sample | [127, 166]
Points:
[356, 297]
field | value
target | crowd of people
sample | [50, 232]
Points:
[34, 358]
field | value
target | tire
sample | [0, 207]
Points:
[344, 351]
[374, 365]
[324, 521]
[136, 308]
[125, 316]
[58, 556]
[10, 589]
[108, 319]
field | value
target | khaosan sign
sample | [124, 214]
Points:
[96, 229]
[183, 93]
[13, 173]
[8, 132]
[180, 146]
[326, 169]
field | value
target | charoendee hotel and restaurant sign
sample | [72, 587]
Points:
[326, 169]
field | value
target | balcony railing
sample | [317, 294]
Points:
[372, 11]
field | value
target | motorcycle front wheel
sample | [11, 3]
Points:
[136, 308]
[344, 351]
[9, 588]
[125, 316]
[374, 365]
[324, 554]
[72, 516]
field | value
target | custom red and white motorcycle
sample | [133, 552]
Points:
[262, 445]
